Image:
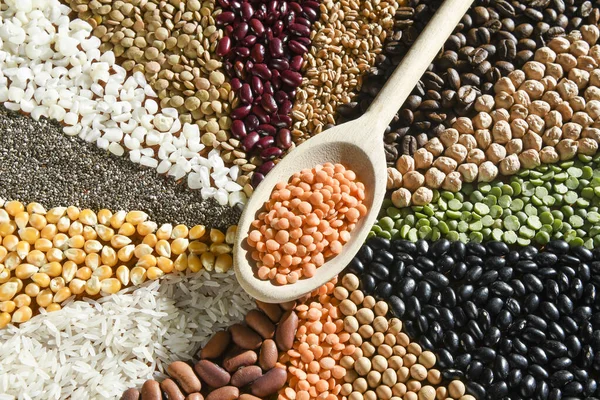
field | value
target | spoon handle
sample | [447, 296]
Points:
[415, 63]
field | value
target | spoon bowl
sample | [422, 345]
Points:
[367, 160]
[358, 145]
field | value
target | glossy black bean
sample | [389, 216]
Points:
[368, 283]
[561, 378]
[444, 358]
[497, 248]
[528, 386]
[397, 305]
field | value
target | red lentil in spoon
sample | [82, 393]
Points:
[306, 221]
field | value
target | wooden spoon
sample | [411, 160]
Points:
[358, 145]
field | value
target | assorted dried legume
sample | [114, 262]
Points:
[305, 222]
[542, 113]
[510, 323]
[557, 201]
[492, 40]
[385, 363]
[48, 256]
[264, 43]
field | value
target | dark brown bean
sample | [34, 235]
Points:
[131, 394]
[273, 311]
[224, 393]
[240, 360]
[258, 321]
[268, 355]
[212, 374]
[194, 396]
[151, 390]
[171, 390]
[185, 376]
[269, 383]
[286, 331]
[288, 305]
[216, 345]
[245, 337]
[246, 375]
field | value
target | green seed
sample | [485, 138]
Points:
[534, 222]
[511, 223]
[481, 209]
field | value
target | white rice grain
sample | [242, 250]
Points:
[95, 349]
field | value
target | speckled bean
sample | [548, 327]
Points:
[224, 393]
[245, 337]
[269, 383]
[268, 355]
[246, 375]
[171, 389]
[151, 390]
[284, 336]
[131, 394]
[240, 360]
[258, 321]
[185, 376]
[216, 345]
[212, 374]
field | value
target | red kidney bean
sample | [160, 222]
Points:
[257, 85]
[296, 63]
[261, 114]
[238, 129]
[245, 94]
[257, 178]
[299, 29]
[276, 48]
[241, 112]
[268, 103]
[257, 26]
[258, 53]
[262, 71]
[280, 96]
[265, 142]
[303, 21]
[236, 84]
[266, 167]
[250, 141]
[269, 383]
[267, 129]
[286, 107]
[291, 78]
[224, 3]
[225, 17]
[249, 41]
[297, 47]
[264, 52]
[212, 374]
[246, 375]
[284, 139]
[281, 121]
[251, 122]
[242, 51]
[309, 12]
[296, 7]
[240, 31]
[224, 46]
[131, 394]
[271, 153]
[247, 11]
[279, 64]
